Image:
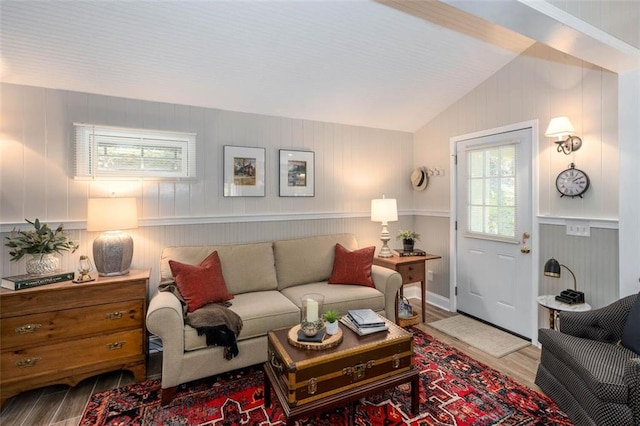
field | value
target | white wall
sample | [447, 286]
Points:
[353, 165]
[539, 84]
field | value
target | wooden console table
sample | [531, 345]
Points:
[412, 270]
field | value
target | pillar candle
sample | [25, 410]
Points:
[312, 310]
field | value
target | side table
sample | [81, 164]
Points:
[549, 301]
[412, 270]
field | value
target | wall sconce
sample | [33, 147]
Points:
[113, 249]
[384, 210]
[560, 127]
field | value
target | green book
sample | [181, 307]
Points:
[21, 282]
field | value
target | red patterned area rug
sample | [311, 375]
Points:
[454, 390]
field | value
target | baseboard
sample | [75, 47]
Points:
[413, 292]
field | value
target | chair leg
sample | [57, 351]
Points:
[167, 395]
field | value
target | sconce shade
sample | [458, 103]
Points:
[113, 249]
[384, 210]
[558, 127]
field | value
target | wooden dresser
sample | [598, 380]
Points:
[66, 332]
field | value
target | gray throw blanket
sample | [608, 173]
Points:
[216, 321]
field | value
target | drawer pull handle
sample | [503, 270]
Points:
[28, 362]
[115, 315]
[115, 345]
[28, 328]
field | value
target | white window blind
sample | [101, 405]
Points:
[122, 153]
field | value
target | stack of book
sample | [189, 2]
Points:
[414, 252]
[364, 321]
[21, 282]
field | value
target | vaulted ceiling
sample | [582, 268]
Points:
[374, 64]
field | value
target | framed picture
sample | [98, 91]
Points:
[297, 171]
[243, 171]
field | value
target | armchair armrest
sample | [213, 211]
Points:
[604, 324]
[632, 381]
[388, 282]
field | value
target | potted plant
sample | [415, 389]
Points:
[408, 239]
[42, 243]
[331, 317]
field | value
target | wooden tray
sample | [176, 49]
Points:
[328, 342]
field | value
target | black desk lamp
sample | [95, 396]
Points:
[552, 269]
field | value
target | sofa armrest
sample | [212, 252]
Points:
[165, 319]
[388, 282]
[604, 324]
[632, 381]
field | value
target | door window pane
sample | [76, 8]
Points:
[492, 197]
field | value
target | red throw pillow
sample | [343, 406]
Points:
[202, 284]
[352, 267]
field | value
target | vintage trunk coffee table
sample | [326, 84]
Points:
[310, 381]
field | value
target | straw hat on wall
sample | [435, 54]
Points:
[419, 179]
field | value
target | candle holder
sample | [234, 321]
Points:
[311, 322]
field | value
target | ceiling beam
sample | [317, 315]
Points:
[554, 27]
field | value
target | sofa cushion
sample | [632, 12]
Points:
[352, 267]
[246, 267]
[202, 284]
[307, 260]
[631, 332]
[599, 364]
[340, 297]
[260, 311]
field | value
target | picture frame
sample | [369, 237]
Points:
[244, 171]
[297, 173]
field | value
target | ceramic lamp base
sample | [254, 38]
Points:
[112, 253]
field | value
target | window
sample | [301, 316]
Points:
[118, 152]
[492, 184]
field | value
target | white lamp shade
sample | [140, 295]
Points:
[384, 210]
[112, 214]
[559, 126]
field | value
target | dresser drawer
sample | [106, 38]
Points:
[412, 272]
[41, 329]
[73, 354]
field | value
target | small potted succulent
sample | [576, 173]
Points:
[331, 317]
[408, 239]
[42, 243]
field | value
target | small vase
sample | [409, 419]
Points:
[41, 264]
[332, 327]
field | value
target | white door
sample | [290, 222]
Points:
[493, 212]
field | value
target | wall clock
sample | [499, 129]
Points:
[572, 182]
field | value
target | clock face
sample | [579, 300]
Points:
[572, 182]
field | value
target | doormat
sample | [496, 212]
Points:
[482, 336]
[455, 390]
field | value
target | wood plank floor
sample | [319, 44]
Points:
[63, 406]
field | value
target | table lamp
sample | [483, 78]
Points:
[384, 210]
[552, 269]
[113, 249]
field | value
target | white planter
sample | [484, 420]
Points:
[332, 327]
[41, 264]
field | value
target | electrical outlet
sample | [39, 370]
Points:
[429, 275]
[579, 228]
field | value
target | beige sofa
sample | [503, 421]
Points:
[267, 280]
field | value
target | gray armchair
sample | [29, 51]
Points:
[585, 370]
